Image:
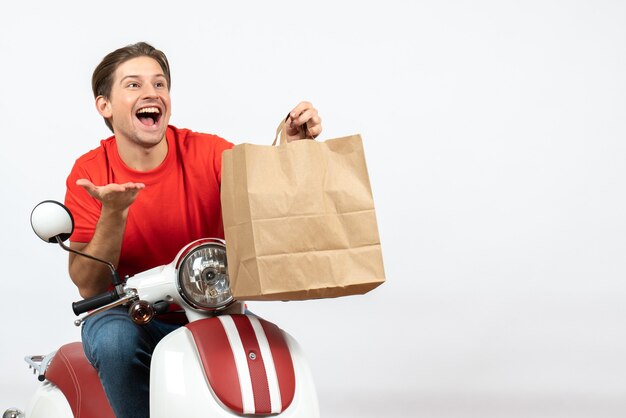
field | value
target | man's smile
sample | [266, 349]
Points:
[149, 116]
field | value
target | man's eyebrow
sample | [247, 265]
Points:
[138, 76]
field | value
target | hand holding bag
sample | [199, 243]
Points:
[299, 220]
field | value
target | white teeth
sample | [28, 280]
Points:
[149, 110]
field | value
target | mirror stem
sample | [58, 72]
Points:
[116, 278]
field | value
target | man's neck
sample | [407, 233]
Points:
[139, 157]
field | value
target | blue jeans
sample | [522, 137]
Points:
[121, 352]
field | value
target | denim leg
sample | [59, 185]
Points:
[121, 352]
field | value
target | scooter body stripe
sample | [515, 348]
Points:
[282, 362]
[241, 363]
[270, 369]
[256, 364]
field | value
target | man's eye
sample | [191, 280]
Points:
[133, 85]
[159, 84]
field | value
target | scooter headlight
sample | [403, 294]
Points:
[202, 273]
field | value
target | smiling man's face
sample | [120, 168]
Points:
[139, 105]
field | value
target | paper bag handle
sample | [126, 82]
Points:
[281, 130]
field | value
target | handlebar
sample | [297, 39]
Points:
[94, 302]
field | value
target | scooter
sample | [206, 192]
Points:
[223, 363]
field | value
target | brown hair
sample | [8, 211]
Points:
[102, 78]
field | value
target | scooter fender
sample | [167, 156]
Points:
[231, 365]
[48, 402]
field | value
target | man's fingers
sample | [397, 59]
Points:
[133, 186]
[299, 109]
[303, 113]
[304, 117]
[314, 127]
[311, 119]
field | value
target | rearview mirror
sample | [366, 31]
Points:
[52, 221]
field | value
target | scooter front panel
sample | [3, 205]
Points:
[254, 356]
[179, 385]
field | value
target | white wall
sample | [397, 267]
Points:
[494, 132]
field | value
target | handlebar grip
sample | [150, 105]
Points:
[94, 302]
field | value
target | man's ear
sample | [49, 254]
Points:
[103, 106]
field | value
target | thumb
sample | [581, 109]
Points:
[87, 185]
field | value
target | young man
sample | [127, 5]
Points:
[136, 200]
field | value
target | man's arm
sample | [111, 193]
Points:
[89, 276]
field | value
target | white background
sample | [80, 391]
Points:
[494, 133]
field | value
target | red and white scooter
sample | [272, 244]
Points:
[223, 363]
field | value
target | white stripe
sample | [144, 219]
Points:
[270, 368]
[241, 362]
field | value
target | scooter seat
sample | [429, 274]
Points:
[78, 380]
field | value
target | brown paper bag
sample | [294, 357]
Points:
[299, 220]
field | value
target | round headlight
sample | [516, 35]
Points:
[203, 275]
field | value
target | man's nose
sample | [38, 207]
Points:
[149, 91]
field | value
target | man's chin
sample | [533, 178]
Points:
[151, 140]
[140, 135]
[150, 136]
